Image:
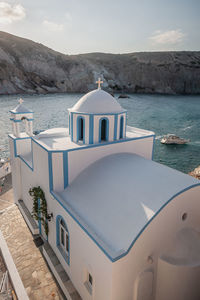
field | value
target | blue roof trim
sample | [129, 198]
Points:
[18, 155]
[167, 202]
[113, 259]
[11, 119]
[96, 145]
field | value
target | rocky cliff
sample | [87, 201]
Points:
[29, 67]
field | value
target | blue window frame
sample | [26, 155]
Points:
[121, 134]
[80, 129]
[62, 238]
[103, 129]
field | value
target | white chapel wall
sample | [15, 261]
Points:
[80, 159]
[85, 256]
[16, 172]
[154, 241]
[57, 170]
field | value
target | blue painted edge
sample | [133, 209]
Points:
[167, 202]
[107, 129]
[11, 119]
[17, 155]
[67, 258]
[115, 127]
[95, 145]
[31, 168]
[78, 128]
[91, 129]
[113, 259]
[65, 168]
[71, 126]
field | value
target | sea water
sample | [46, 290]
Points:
[179, 115]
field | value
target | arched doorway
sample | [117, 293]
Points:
[121, 135]
[103, 130]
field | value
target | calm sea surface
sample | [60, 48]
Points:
[162, 114]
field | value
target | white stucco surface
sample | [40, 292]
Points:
[59, 139]
[118, 195]
[20, 108]
[97, 101]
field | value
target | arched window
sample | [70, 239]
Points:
[121, 134]
[62, 237]
[24, 124]
[80, 129]
[103, 130]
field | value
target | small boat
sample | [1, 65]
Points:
[171, 139]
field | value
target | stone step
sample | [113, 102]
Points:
[60, 274]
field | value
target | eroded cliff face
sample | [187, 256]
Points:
[29, 67]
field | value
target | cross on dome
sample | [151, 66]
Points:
[21, 101]
[99, 82]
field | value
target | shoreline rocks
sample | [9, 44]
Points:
[195, 173]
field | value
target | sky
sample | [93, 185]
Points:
[111, 26]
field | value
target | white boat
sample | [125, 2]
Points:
[171, 139]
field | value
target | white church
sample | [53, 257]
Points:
[120, 226]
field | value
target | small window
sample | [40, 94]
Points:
[89, 283]
[121, 127]
[90, 279]
[80, 129]
[64, 237]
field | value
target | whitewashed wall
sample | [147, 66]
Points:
[57, 167]
[131, 274]
[85, 256]
[38, 177]
[16, 172]
[23, 146]
[80, 159]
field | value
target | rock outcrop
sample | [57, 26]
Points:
[195, 173]
[29, 67]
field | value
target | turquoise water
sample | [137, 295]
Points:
[162, 114]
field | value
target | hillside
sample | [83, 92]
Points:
[29, 67]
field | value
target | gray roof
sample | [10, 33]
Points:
[116, 197]
[20, 108]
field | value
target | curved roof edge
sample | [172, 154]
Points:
[111, 255]
[143, 229]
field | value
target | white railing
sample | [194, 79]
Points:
[12, 271]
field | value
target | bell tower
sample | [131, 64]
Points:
[22, 119]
